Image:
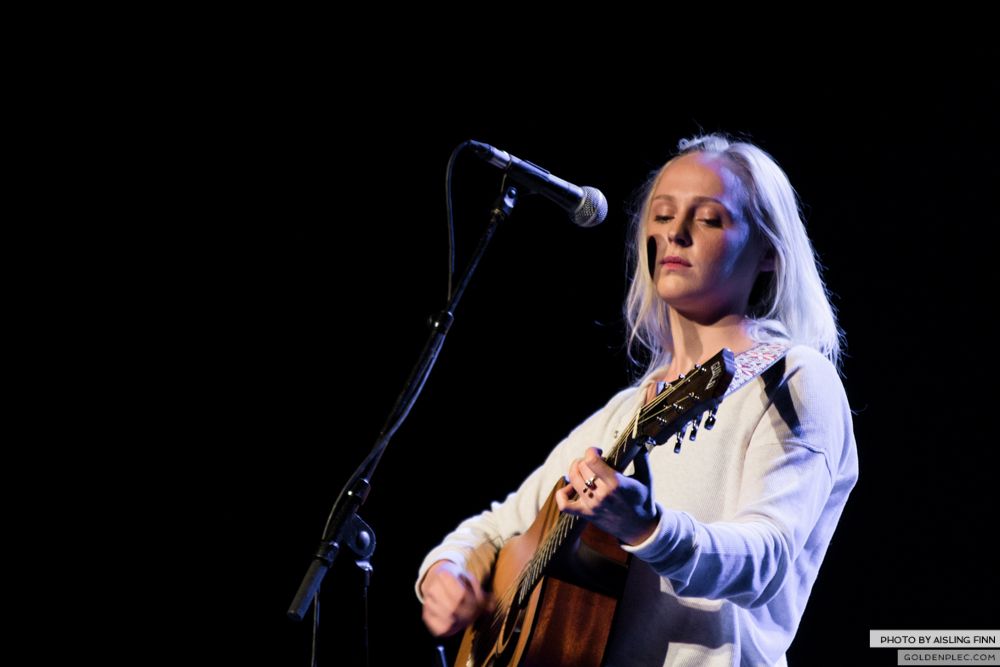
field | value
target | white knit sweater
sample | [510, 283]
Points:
[747, 512]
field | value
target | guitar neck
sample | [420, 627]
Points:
[667, 414]
[566, 527]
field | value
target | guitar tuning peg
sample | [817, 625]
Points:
[710, 422]
[694, 431]
[680, 437]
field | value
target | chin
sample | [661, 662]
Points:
[671, 294]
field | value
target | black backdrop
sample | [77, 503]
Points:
[296, 319]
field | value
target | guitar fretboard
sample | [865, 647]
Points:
[566, 524]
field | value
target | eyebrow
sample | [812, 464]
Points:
[697, 200]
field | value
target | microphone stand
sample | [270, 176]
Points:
[344, 526]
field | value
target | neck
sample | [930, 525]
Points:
[696, 342]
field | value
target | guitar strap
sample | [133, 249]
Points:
[755, 361]
[749, 365]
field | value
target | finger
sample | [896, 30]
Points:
[442, 626]
[563, 499]
[600, 470]
[572, 476]
[468, 608]
[597, 477]
[564, 502]
[590, 478]
[576, 477]
[432, 621]
[449, 589]
[473, 586]
[641, 469]
[594, 462]
[448, 617]
[439, 622]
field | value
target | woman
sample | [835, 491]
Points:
[725, 556]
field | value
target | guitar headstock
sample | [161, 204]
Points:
[686, 400]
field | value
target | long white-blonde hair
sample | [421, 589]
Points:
[790, 304]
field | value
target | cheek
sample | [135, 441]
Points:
[734, 253]
[654, 232]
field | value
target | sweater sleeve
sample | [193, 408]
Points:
[796, 452]
[474, 544]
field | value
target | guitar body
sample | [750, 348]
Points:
[567, 618]
[558, 584]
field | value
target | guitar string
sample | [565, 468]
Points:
[528, 578]
[554, 538]
[564, 525]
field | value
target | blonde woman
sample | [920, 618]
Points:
[727, 539]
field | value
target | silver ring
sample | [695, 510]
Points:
[590, 482]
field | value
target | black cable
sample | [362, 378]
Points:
[450, 214]
[315, 634]
[404, 402]
[364, 597]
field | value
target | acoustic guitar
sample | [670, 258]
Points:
[558, 584]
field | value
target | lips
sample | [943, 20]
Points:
[675, 260]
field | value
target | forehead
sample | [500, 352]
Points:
[697, 175]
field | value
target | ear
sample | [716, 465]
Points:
[767, 261]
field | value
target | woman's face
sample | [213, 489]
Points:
[706, 256]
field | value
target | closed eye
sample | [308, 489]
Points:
[711, 222]
[663, 218]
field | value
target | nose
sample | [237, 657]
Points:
[678, 233]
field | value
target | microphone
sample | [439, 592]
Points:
[586, 206]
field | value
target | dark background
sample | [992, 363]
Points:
[296, 319]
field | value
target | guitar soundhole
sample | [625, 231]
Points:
[506, 630]
[510, 630]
